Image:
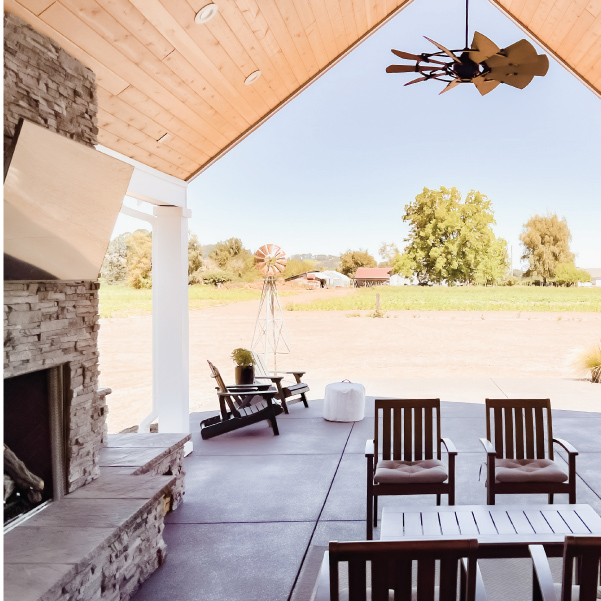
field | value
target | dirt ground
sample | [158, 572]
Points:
[331, 346]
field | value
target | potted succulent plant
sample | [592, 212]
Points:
[245, 366]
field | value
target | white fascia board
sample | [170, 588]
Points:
[152, 185]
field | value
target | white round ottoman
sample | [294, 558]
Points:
[344, 402]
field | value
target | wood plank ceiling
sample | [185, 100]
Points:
[158, 72]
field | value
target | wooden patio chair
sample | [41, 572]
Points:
[582, 552]
[391, 571]
[410, 461]
[240, 406]
[519, 460]
[287, 394]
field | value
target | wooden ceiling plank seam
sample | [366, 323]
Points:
[235, 30]
[554, 17]
[120, 128]
[403, 4]
[133, 20]
[291, 20]
[143, 122]
[208, 102]
[37, 6]
[337, 21]
[594, 7]
[281, 80]
[156, 14]
[517, 8]
[104, 75]
[204, 39]
[311, 27]
[226, 123]
[529, 9]
[348, 18]
[106, 138]
[587, 80]
[275, 23]
[565, 25]
[324, 24]
[578, 31]
[121, 38]
[58, 15]
[588, 45]
[265, 38]
[360, 16]
[541, 14]
[181, 146]
[135, 98]
[371, 12]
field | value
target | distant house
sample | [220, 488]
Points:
[399, 280]
[322, 279]
[372, 276]
[595, 277]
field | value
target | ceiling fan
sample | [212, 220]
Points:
[483, 63]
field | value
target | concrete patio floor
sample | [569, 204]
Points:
[257, 504]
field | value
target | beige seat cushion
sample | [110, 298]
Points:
[426, 471]
[528, 470]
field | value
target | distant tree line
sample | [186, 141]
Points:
[450, 241]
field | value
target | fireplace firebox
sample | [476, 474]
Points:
[34, 439]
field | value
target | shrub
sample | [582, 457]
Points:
[589, 361]
[215, 278]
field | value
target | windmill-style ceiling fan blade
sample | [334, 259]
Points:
[445, 50]
[516, 54]
[514, 78]
[451, 85]
[484, 86]
[482, 48]
[409, 69]
[416, 80]
[407, 55]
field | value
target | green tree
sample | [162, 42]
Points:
[296, 266]
[567, 274]
[114, 266]
[230, 255]
[388, 252]
[139, 259]
[453, 241]
[546, 240]
[194, 260]
[403, 265]
[351, 260]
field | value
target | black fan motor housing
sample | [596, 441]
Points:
[467, 69]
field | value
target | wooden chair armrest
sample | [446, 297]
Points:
[450, 447]
[279, 371]
[490, 450]
[542, 573]
[322, 586]
[274, 379]
[566, 445]
[369, 448]
[266, 394]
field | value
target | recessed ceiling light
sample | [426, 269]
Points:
[206, 13]
[252, 77]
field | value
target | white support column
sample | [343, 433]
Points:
[170, 318]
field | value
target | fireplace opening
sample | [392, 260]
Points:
[34, 441]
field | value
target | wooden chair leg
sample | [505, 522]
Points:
[375, 511]
[305, 402]
[285, 406]
[370, 510]
[551, 498]
[572, 495]
[490, 496]
[438, 499]
[274, 425]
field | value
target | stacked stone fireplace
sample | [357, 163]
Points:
[52, 327]
[54, 324]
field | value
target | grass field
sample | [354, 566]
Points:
[473, 298]
[123, 301]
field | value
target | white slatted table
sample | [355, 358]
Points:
[501, 530]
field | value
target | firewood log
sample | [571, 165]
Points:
[22, 477]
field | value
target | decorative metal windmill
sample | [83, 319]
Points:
[269, 335]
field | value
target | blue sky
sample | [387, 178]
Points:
[334, 169]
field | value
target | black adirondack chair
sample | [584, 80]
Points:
[241, 406]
